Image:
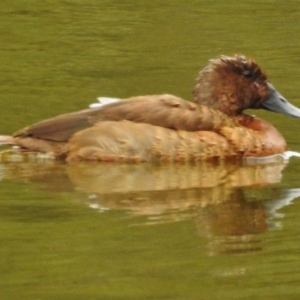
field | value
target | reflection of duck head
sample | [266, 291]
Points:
[165, 127]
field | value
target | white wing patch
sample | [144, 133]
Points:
[103, 101]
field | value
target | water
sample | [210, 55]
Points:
[104, 231]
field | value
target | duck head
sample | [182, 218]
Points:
[233, 84]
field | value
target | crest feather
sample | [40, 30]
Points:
[240, 64]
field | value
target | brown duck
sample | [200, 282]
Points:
[165, 127]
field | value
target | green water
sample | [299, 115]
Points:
[89, 231]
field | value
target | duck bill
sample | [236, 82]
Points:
[277, 103]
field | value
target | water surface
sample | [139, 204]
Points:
[197, 231]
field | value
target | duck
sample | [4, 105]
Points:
[213, 125]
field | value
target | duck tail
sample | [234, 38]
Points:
[7, 140]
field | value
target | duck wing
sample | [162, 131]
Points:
[161, 110]
[59, 128]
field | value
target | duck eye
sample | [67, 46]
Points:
[247, 74]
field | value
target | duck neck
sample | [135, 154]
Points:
[224, 102]
[217, 91]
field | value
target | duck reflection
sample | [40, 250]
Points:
[224, 200]
[218, 197]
